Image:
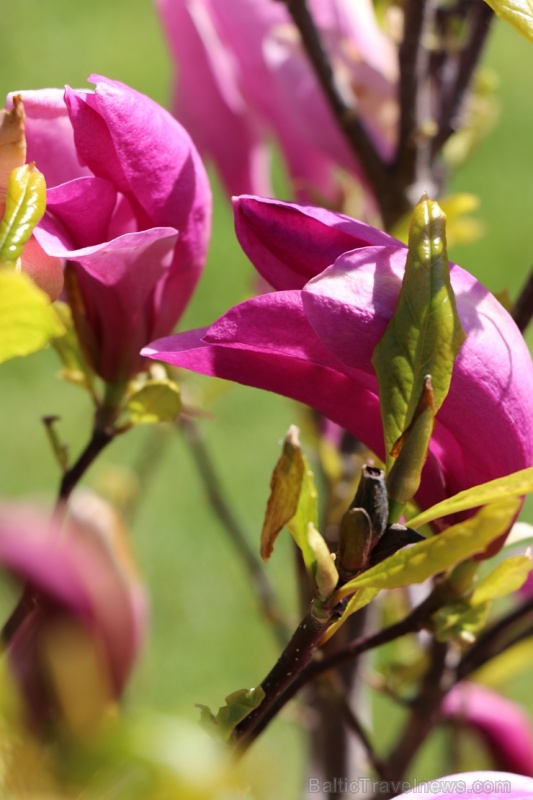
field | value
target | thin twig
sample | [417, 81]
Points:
[481, 16]
[345, 113]
[250, 729]
[261, 585]
[353, 724]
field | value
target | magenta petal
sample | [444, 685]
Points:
[81, 211]
[75, 574]
[118, 280]
[504, 725]
[289, 244]
[207, 90]
[491, 394]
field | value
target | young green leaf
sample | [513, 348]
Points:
[518, 13]
[292, 502]
[75, 368]
[439, 553]
[324, 571]
[25, 205]
[424, 334]
[27, 320]
[505, 579]
[155, 401]
[517, 484]
[238, 705]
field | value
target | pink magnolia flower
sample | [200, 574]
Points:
[76, 578]
[482, 785]
[244, 78]
[503, 725]
[337, 283]
[128, 208]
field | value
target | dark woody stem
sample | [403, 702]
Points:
[347, 117]
[295, 657]
[260, 583]
[103, 433]
[294, 671]
[480, 18]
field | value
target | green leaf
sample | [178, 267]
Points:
[293, 501]
[27, 320]
[461, 622]
[517, 484]
[424, 334]
[238, 705]
[25, 205]
[156, 401]
[439, 553]
[324, 572]
[518, 13]
[505, 579]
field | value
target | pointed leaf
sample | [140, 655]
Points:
[505, 579]
[156, 401]
[424, 334]
[423, 560]
[518, 13]
[25, 205]
[292, 501]
[27, 320]
[517, 484]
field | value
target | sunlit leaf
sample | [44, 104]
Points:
[505, 579]
[423, 560]
[238, 705]
[25, 205]
[519, 13]
[424, 334]
[27, 320]
[461, 622]
[324, 571]
[156, 401]
[517, 484]
[292, 501]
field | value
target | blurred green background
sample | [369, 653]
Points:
[206, 636]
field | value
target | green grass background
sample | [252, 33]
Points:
[206, 637]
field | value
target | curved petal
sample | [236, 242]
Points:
[289, 244]
[504, 725]
[129, 139]
[74, 574]
[117, 281]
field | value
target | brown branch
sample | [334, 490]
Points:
[260, 583]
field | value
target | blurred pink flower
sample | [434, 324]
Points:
[503, 725]
[128, 208]
[482, 785]
[77, 574]
[337, 283]
[243, 78]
